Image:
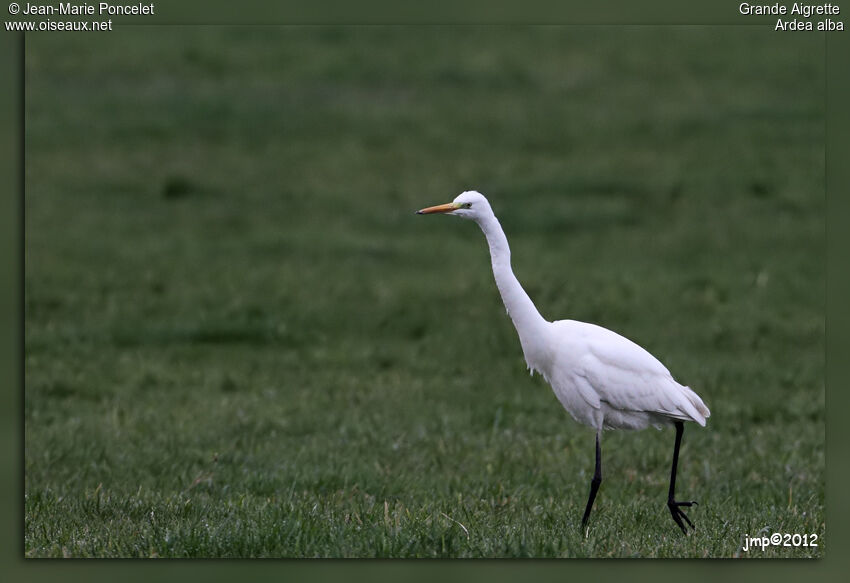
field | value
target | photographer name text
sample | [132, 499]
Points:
[100, 9]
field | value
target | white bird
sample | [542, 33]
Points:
[602, 379]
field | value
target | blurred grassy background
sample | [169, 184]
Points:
[240, 341]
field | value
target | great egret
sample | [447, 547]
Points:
[601, 378]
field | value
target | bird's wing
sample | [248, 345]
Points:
[577, 395]
[629, 378]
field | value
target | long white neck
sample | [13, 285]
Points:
[530, 325]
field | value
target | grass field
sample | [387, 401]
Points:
[241, 342]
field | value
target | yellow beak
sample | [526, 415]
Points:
[440, 208]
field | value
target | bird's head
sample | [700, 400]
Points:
[467, 205]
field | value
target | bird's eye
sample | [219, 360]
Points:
[466, 205]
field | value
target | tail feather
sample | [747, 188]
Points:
[699, 412]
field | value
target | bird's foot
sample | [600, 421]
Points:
[678, 515]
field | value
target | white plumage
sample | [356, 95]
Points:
[619, 384]
[602, 379]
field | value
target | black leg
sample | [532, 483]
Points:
[594, 483]
[672, 504]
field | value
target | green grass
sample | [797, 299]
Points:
[241, 342]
